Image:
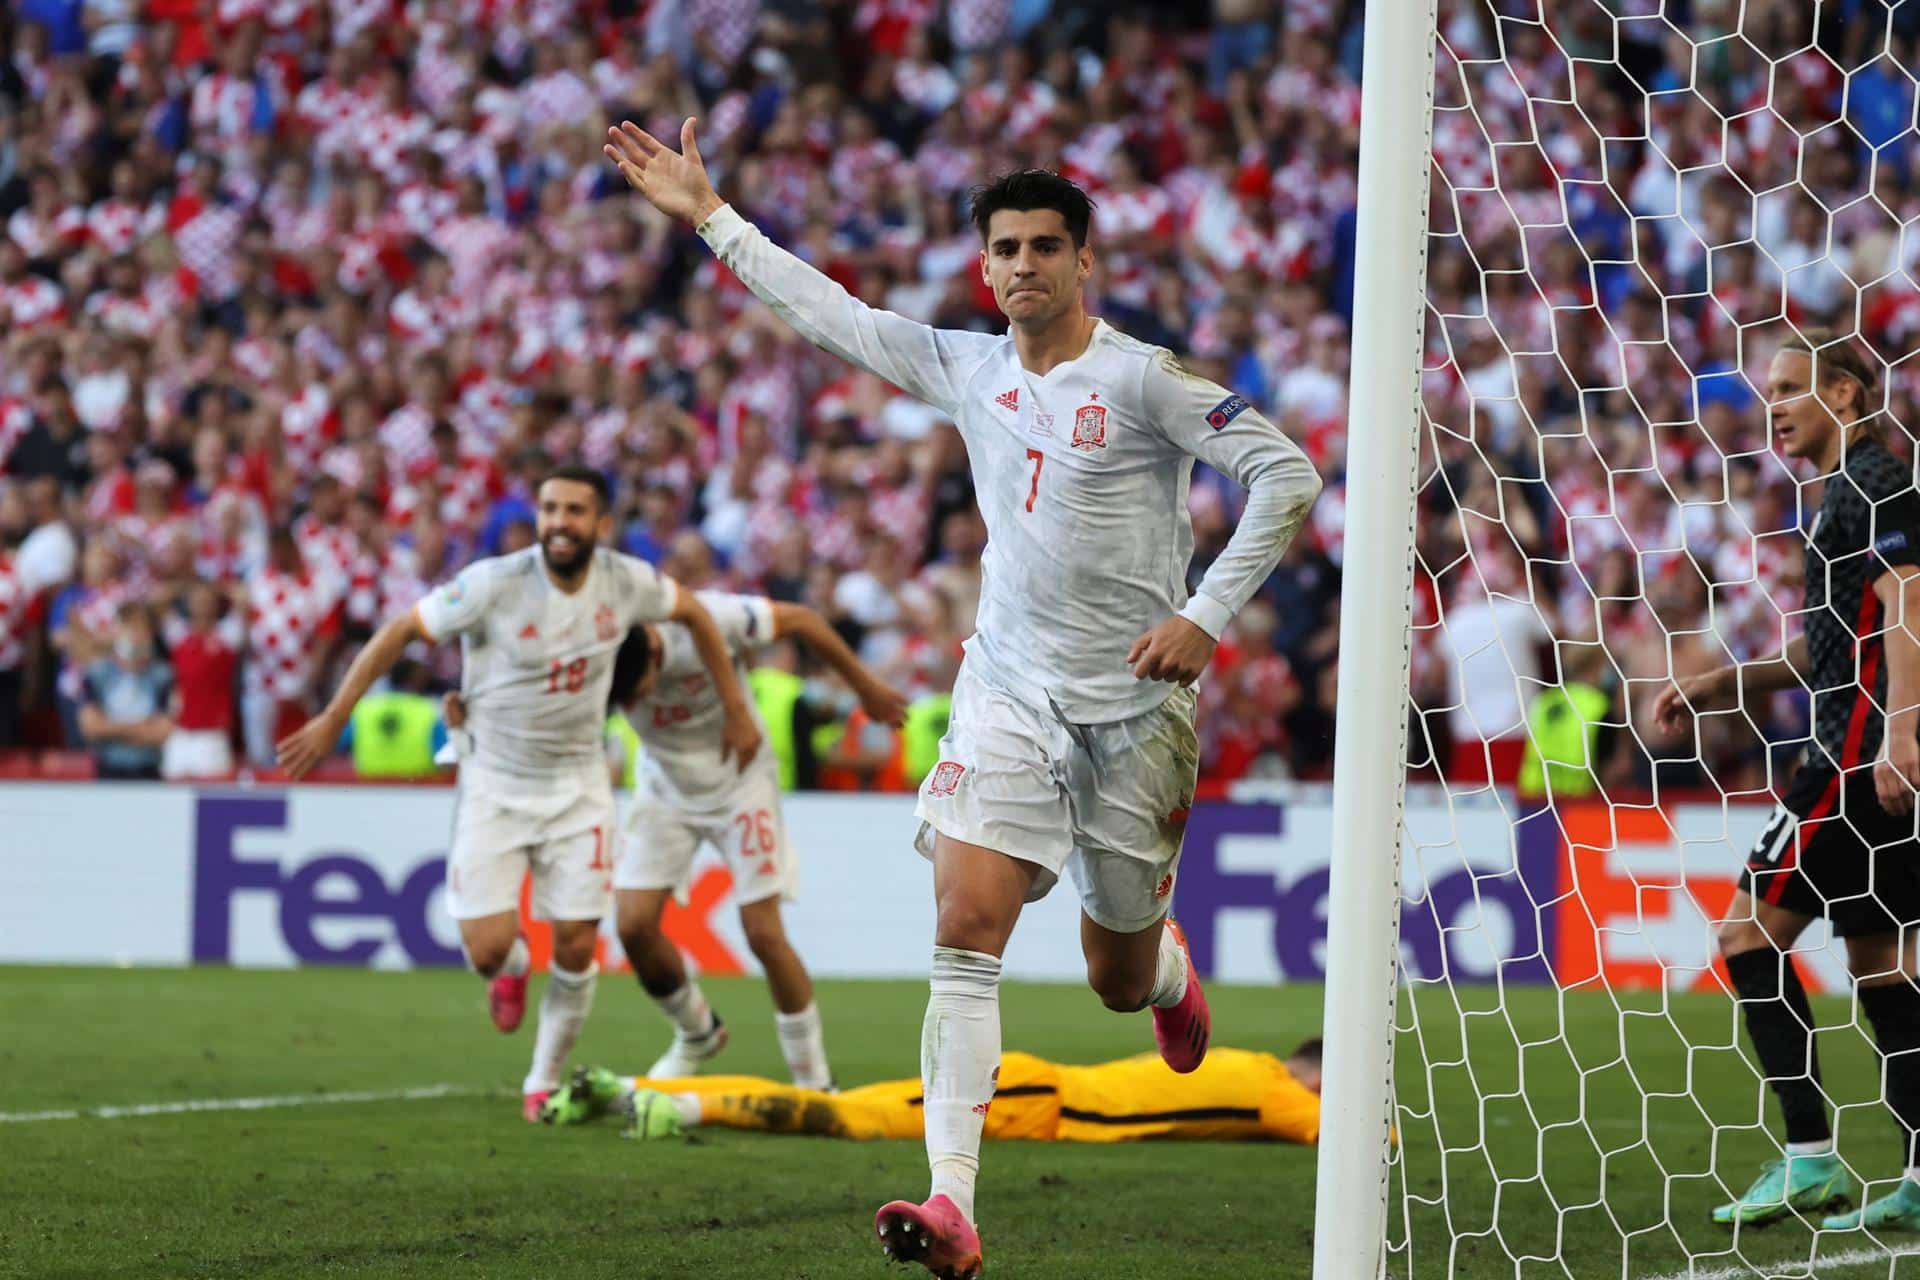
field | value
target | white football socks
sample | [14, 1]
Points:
[959, 1062]
[1170, 973]
[804, 1047]
[688, 1010]
[563, 1011]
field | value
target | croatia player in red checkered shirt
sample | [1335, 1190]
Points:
[539, 630]
[1072, 747]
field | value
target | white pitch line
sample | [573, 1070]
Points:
[243, 1104]
[1794, 1266]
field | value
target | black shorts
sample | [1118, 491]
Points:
[1831, 850]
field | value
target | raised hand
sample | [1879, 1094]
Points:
[676, 182]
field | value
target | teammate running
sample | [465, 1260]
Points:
[1071, 745]
[538, 633]
[1841, 844]
[1235, 1096]
[687, 794]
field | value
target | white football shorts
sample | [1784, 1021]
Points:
[1107, 802]
[563, 835]
[658, 842]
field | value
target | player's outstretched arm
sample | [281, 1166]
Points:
[308, 745]
[881, 700]
[932, 364]
[1729, 686]
[740, 736]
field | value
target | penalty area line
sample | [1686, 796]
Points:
[415, 1094]
[1793, 1266]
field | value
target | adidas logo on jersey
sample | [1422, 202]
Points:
[1009, 400]
[529, 632]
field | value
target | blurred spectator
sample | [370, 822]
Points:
[356, 273]
[205, 648]
[124, 700]
[396, 731]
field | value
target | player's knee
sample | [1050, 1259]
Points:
[485, 958]
[1738, 936]
[638, 935]
[1874, 961]
[573, 951]
[639, 928]
[969, 926]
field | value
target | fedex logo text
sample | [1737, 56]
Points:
[365, 910]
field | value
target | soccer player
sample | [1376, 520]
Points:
[687, 795]
[1071, 745]
[1234, 1096]
[538, 633]
[1841, 844]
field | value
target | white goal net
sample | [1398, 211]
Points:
[1634, 204]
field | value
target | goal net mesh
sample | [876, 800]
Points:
[1633, 203]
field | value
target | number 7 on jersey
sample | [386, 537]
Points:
[1038, 458]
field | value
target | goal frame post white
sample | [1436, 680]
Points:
[1369, 775]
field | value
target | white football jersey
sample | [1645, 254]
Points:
[1081, 476]
[680, 719]
[537, 662]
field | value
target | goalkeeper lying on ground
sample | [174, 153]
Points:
[1235, 1095]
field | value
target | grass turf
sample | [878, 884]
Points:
[1527, 1153]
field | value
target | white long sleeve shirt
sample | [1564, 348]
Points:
[1081, 475]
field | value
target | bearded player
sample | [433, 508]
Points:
[1841, 844]
[538, 631]
[1071, 745]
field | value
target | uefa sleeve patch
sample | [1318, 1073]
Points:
[1226, 411]
[1888, 543]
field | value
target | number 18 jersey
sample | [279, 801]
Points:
[537, 662]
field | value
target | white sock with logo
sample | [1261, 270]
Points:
[959, 1062]
[563, 1011]
[1170, 973]
[688, 1010]
[804, 1046]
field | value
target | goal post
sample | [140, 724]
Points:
[1577, 479]
[1396, 121]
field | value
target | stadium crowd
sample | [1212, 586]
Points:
[299, 298]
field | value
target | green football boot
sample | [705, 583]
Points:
[650, 1115]
[1803, 1184]
[588, 1093]
[1898, 1210]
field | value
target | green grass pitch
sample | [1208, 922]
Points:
[1533, 1127]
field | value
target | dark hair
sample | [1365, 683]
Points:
[581, 473]
[1026, 189]
[1309, 1049]
[630, 667]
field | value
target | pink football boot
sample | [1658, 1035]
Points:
[1182, 1031]
[507, 1001]
[935, 1234]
